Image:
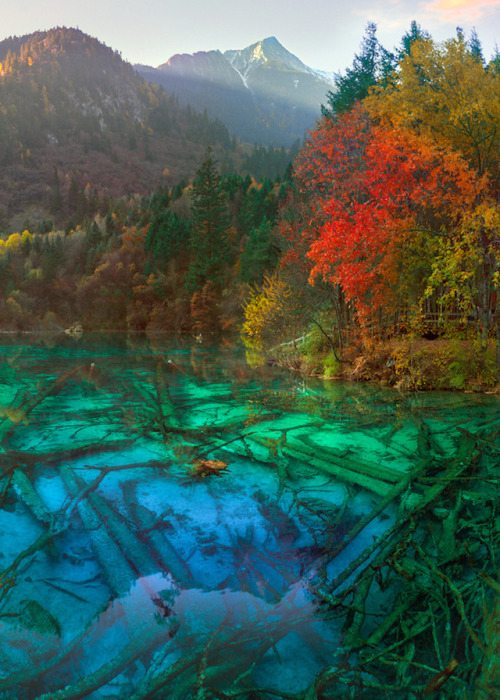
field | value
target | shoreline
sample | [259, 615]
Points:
[406, 365]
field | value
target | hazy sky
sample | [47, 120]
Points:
[324, 34]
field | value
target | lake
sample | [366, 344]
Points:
[180, 520]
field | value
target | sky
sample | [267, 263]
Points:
[324, 34]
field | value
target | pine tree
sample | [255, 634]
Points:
[209, 244]
[475, 47]
[167, 236]
[416, 33]
[372, 64]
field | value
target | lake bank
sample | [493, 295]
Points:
[406, 364]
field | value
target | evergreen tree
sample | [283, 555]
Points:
[415, 33]
[52, 257]
[167, 236]
[209, 244]
[494, 64]
[93, 236]
[475, 47]
[259, 255]
[372, 64]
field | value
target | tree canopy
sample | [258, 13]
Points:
[393, 211]
[445, 91]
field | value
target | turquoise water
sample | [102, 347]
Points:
[170, 513]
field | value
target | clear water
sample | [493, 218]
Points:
[132, 567]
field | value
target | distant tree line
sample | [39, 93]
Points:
[181, 259]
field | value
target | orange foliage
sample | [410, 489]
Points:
[204, 309]
[373, 188]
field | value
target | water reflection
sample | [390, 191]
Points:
[176, 522]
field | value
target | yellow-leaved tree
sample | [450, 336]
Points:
[266, 309]
[444, 90]
[466, 268]
[14, 241]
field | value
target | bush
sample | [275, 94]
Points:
[452, 364]
[470, 365]
[331, 366]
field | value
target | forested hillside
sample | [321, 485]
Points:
[179, 260]
[101, 222]
[73, 114]
[392, 230]
[384, 233]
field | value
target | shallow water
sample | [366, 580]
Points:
[133, 566]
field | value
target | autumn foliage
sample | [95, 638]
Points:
[445, 91]
[376, 190]
[394, 214]
[389, 223]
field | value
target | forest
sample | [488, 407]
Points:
[73, 113]
[390, 236]
[180, 260]
[380, 241]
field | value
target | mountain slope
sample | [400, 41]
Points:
[70, 104]
[263, 93]
[207, 81]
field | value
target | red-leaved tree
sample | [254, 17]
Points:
[379, 198]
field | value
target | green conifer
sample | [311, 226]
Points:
[209, 243]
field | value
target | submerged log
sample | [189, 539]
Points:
[430, 496]
[489, 679]
[347, 461]
[141, 644]
[137, 554]
[170, 560]
[118, 572]
[339, 471]
[111, 535]
[27, 493]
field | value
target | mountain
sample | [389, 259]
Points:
[263, 93]
[74, 114]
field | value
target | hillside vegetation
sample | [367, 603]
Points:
[392, 229]
[179, 260]
[72, 109]
[382, 238]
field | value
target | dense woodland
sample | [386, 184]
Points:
[180, 260]
[98, 203]
[386, 226]
[392, 227]
[74, 114]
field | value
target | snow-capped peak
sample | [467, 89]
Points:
[246, 60]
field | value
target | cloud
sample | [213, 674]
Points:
[462, 9]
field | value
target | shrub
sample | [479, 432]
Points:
[331, 366]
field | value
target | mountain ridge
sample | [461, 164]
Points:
[76, 120]
[263, 51]
[72, 110]
[281, 96]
